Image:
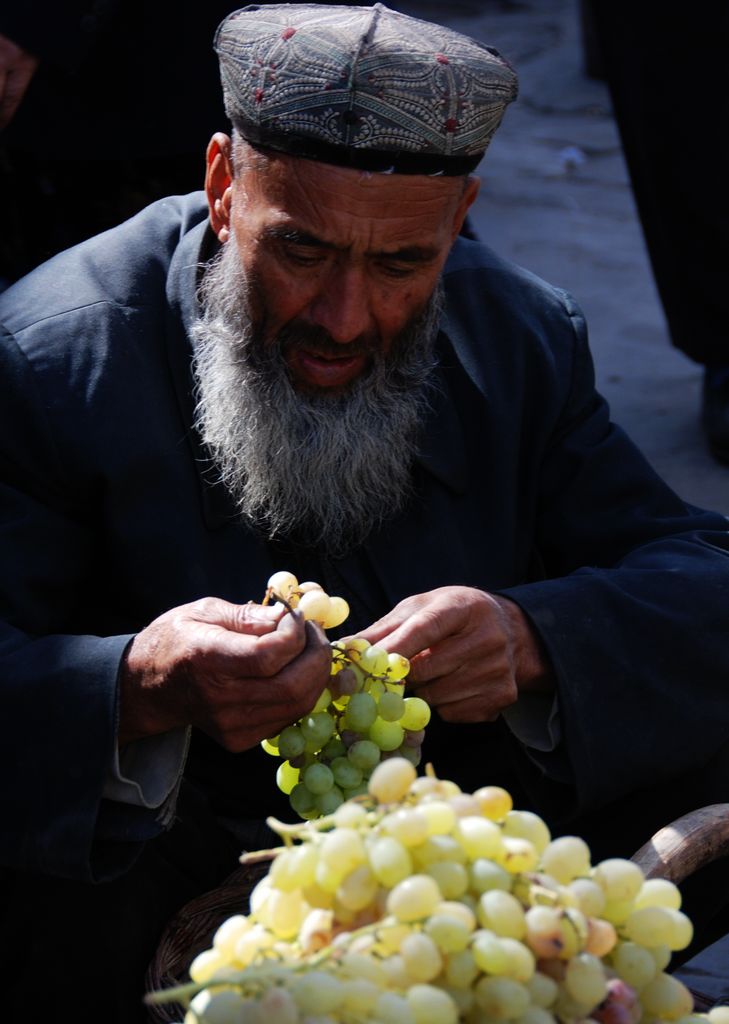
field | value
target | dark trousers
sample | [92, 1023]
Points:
[667, 70]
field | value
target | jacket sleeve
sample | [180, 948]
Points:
[633, 611]
[59, 689]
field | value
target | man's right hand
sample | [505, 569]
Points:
[240, 673]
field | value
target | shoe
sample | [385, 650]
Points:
[715, 411]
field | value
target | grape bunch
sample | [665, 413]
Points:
[423, 904]
[361, 718]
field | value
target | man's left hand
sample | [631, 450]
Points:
[470, 652]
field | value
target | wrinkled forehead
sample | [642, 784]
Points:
[332, 202]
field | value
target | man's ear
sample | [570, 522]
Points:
[469, 194]
[218, 184]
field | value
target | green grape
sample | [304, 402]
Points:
[656, 892]
[375, 687]
[360, 790]
[486, 874]
[358, 889]
[585, 980]
[318, 779]
[291, 742]
[391, 706]
[566, 858]
[461, 969]
[333, 749]
[328, 802]
[338, 612]
[634, 964]
[374, 661]
[286, 777]
[529, 826]
[542, 989]
[397, 667]
[302, 801]
[271, 746]
[325, 699]
[416, 715]
[346, 774]
[406, 824]
[479, 837]
[317, 992]
[666, 997]
[489, 954]
[423, 959]
[502, 998]
[387, 735]
[365, 755]
[390, 861]
[414, 898]
[412, 754]
[361, 712]
[621, 880]
[283, 584]
[431, 1005]
[440, 816]
[452, 878]
[521, 962]
[503, 914]
[317, 729]
[449, 933]
[391, 780]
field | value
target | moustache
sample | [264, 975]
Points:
[320, 342]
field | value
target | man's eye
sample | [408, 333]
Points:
[303, 256]
[394, 269]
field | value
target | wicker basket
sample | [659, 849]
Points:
[675, 852]
[191, 931]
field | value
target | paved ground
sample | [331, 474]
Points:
[556, 198]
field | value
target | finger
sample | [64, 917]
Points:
[467, 711]
[383, 627]
[272, 704]
[423, 629]
[484, 650]
[485, 696]
[250, 618]
[241, 656]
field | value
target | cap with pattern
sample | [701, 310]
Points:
[363, 87]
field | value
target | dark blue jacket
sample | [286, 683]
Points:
[110, 516]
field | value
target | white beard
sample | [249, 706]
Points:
[320, 469]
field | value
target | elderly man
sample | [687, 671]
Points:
[307, 369]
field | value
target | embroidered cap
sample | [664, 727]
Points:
[363, 87]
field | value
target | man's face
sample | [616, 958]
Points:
[338, 260]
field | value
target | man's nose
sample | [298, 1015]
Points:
[342, 306]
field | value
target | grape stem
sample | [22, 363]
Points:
[258, 856]
[272, 595]
[308, 829]
[252, 977]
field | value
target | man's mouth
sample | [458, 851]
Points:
[317, 369]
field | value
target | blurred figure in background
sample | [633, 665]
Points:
[97, 117]
[667, 72]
